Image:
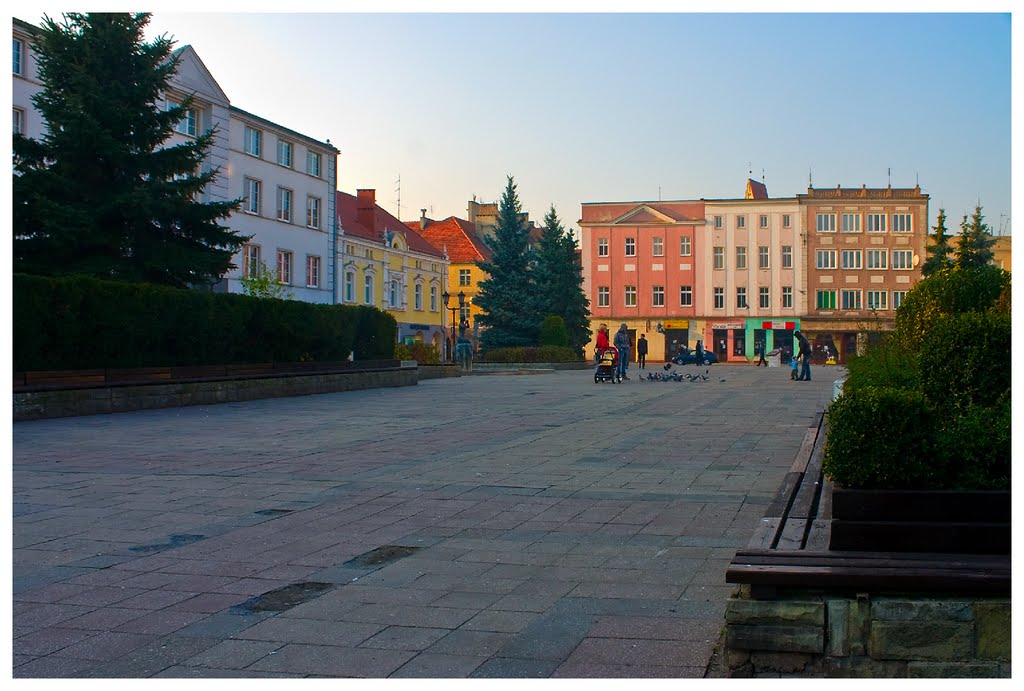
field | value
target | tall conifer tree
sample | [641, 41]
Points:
[939, 250]
[100, 193]
[559, 281]
[976, 242]
[506, 297]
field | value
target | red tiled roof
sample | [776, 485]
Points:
[456, 235]
[347, 210]
[608, 212]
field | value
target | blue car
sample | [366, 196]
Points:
[685, 356]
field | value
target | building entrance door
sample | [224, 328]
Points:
[674, 340]
[719, 344]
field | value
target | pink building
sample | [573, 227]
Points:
[639, 268]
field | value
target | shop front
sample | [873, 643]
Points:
[676, 334]
[432, 334]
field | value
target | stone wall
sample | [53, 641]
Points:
[113, 399]
[828, 635]
[439, 371]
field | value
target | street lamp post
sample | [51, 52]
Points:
[454, 308]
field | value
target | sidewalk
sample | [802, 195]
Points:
[536, 526]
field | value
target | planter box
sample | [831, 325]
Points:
[943, 521]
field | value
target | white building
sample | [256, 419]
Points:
[286, 180]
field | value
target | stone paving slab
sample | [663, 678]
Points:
[557, 528]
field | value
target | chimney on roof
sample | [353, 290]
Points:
[365, 204]
[423, 219]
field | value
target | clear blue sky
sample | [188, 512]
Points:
[615, 107]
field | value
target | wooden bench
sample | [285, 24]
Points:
[790, 547]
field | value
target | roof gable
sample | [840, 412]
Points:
[193, 77]
[643, 214]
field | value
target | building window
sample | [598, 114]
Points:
[787, 256]
[464, 313]
[876, 223]
[851, 300]
[630, 296]
[741, 257]
[902, 223]
[685, 296]
[741, 221]
[602, 247]
[787, 297]
[350, 286]
[253, 196]
[251, 260]
[187, 123]
[433, 298]
[253, 141]
[464, 277]
[826, 299]
[897, 298]
[826, 259]
[763, 221]
[284, 267]
[657, 247]
[826, 223]
[878, 259]
[312, 271]
[762, 257]
[630, 247]
[313, 212]
[719, 298]
[741, 298]
[313, 163]
[684, 247]
[658, 296]
[903, 259]
[718, 222]
[851, 223]
[19, 56]
[284, 204]
[763, 298]
[393, 293]
[19, 121]
[786, 221]
[284, 153]
[603, 299]
[878, 300]
[718, 256]
[417, 293]
[851, 259]
[368, 289]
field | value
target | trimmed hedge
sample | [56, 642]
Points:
[965, 360]
[531, 354]
[83, 323]
[422, 353]
[881, 438]
[885, 365]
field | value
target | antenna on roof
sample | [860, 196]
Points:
[762, 175]
[750, 170]
[659, 193]
[810, 177]
[890, 177]
[399, 190]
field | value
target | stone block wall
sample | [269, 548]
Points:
[114, 399]
[829, 635]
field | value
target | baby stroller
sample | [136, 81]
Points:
[608, 366]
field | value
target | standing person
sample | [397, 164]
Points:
[760, 350]
[698, 353]
[622, 344]
[641, 352]
[805, 355]
[602, 342]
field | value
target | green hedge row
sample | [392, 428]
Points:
[84, 323]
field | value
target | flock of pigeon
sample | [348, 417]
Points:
[676, 376]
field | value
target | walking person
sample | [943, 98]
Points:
[760, 351]
[698, 353]
[804, 355]
[622, 344]
[641, 352]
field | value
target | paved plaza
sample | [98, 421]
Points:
[486, 526]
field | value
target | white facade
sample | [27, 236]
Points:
[286, 185]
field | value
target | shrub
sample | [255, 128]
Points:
[422, 353]
[531, 354]
[553, 332]
[950, 291]
[975, 447]
[885, 365]
[84, 323]
[881, 437]
[965, 360]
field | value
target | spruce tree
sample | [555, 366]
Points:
[100, 193]
[559, 281]
[976, 242]
[939, 250]
[506, 297]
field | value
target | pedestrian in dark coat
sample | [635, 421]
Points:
[804, 355]
[760, 350]
[641, 351]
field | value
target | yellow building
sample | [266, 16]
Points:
[386, 264]
[1002, 253]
